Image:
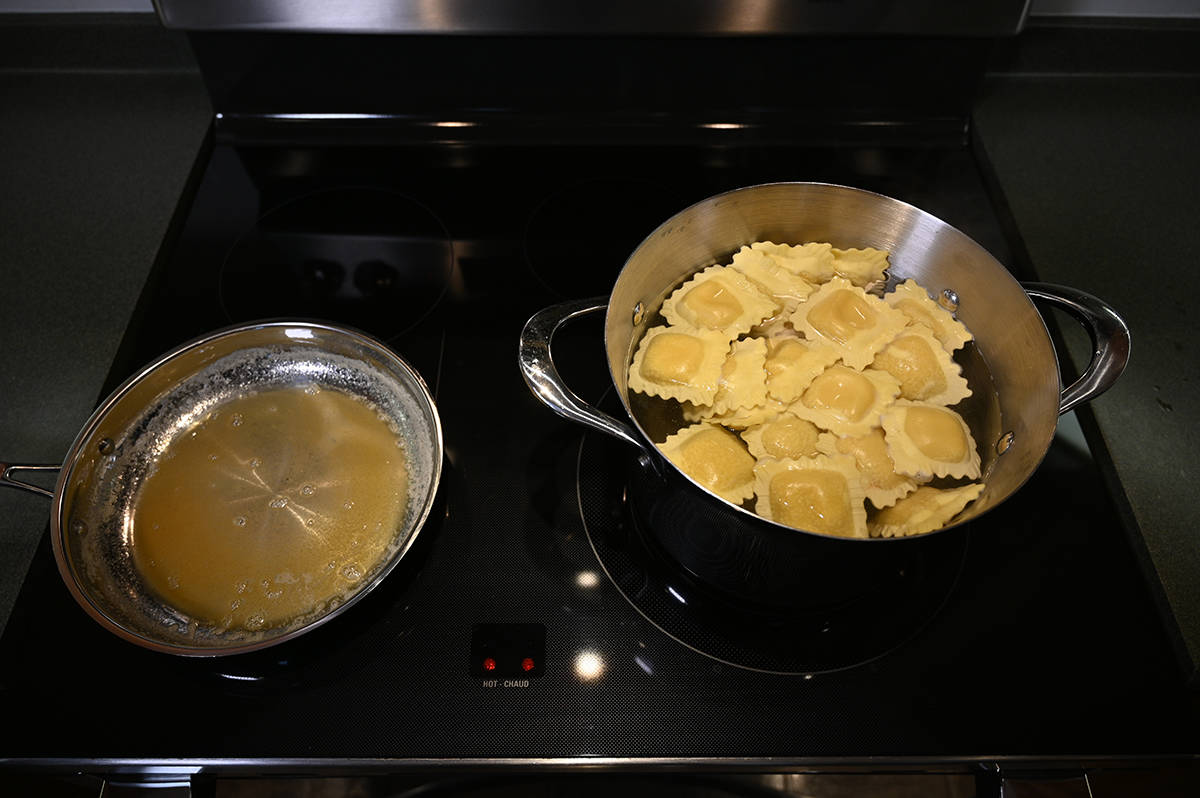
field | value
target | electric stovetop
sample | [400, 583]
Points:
[532, 621]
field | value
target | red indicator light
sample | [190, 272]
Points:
[489, 664]
[527, 664]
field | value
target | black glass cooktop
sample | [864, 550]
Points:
[532, 620]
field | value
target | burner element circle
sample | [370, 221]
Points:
[579, 237]
[859, 626]
[371, 258]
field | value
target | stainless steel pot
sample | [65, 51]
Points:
[90, 523]
[1012, 353]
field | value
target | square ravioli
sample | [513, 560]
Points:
[845, 401]
[792, 363]
[743, 381]
[785, 435]
[715, 458]
[860, 266]
[719, 298]
[850, 320]
[882, 484]
[923, 367]
[928, 441]
[679, 363]
[924, 510]
[813, 261]
[787, 288]
[739, 418]
[911, 299]
[820, 494]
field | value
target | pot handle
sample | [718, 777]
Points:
[1110, 340]
[542, 377]
[7, 470]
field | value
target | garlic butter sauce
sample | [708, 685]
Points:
[271, 506]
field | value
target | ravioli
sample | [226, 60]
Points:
[740, 418]
[802, 389]
[719, 298]
[743, 382]
[882, 485]
[924, 510]
[820, 494]
[777, 326]
[862, 267]
[923, 367]
[679, 363]
[714, 457]
[911, 299]
[813, 261]
[792, 363]
[783, 436]
[787, 288]
[845, 401]
[927, 441]
[850, 320]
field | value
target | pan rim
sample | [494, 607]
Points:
[417, 522]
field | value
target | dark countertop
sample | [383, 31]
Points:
[95, 149]
[1098, 168]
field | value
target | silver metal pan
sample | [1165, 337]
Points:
[98, 483]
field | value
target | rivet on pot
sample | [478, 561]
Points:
[639, 314]
[949, 300]
[105, 446]
[1006, 440]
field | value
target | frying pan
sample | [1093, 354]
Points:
[121, 443]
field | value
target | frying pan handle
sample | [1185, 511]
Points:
[542, 377]
[1110, 340]
[7, 470]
